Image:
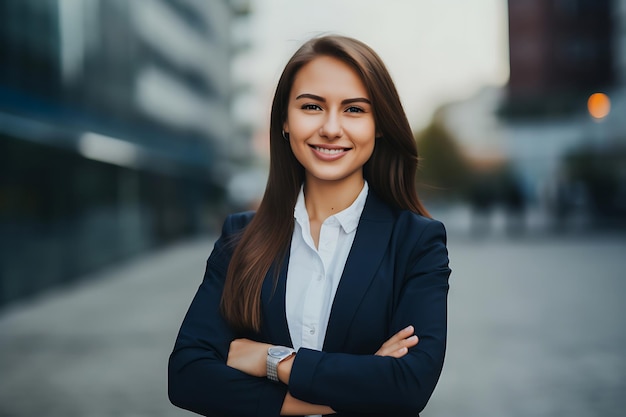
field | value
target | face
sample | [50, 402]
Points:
[330, 122]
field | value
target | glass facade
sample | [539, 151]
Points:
[114, 115]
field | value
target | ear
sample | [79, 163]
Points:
[285, 127]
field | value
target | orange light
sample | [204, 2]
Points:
[599, 105]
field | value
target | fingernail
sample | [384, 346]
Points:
[409, 327]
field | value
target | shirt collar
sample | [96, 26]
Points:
[347, 218]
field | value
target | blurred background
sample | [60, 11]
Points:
[129, 129]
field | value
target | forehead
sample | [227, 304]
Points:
[328, 76]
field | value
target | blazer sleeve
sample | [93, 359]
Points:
[198, 378]
[372, 384]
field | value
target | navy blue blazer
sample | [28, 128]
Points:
[396, 275]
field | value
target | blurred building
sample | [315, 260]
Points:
[116, 132]
[559, 51]
[566, 162]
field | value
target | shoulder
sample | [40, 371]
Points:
[232, 228]
[413, 226]
[404, 222]
[414, 220]
[419, 243]
[236, 222]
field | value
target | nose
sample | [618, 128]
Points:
[331, 127]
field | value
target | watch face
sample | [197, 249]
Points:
[279, 351]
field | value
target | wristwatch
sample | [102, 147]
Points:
[275, 355]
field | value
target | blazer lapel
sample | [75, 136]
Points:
[273, 302]
[368, 249]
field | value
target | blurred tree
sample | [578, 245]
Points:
[443, 172]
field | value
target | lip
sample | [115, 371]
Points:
[329, 152]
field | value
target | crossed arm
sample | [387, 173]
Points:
[249, 357]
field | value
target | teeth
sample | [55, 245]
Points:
[328, 151]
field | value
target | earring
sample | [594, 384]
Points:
[285, 136]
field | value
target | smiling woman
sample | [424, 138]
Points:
[332, 297]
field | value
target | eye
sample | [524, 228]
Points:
[354, 109]
[311, 107]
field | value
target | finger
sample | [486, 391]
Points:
[402, 334]
[394, 342]
[411, 341]
[392, 349]
[407, 343]
[400, 352]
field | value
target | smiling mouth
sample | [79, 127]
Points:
[330, 151]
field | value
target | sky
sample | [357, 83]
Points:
[437, 51]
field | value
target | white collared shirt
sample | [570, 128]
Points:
[313, 274]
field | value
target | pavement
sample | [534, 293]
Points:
[100, 348]
[536, 328]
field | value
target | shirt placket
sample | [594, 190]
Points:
[317, 290]
[311, 310]
[329, 235]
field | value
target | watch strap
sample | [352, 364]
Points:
[275, 355]
[272, 368]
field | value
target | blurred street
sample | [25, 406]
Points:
[536, 329]
[100, 348]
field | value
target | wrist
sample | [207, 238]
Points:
[275, 356]
[284, 369]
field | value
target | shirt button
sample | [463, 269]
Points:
[312, 331]
[319, 277]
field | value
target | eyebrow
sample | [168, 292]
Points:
[323, 100]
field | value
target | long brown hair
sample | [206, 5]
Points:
[390, 172]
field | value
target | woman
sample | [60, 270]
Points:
[340, 262]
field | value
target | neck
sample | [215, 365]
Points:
[327, 198]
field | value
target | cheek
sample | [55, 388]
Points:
[366, 135]
[301, 127]
[361, 126]
[370, 143]
[298, 146]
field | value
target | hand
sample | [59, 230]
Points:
[398, 345]
[248, 356]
